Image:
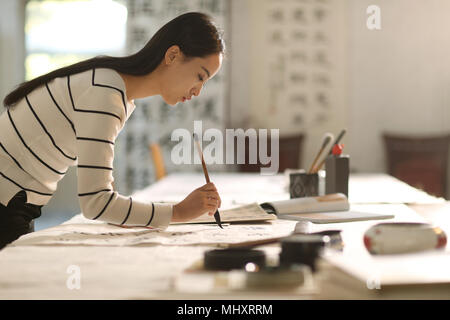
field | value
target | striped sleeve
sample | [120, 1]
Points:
[96, 134]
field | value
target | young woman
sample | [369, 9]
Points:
[72, 116]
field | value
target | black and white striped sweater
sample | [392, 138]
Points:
[72, 121]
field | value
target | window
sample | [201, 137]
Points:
[60, 33]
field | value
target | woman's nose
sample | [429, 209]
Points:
[196, 90]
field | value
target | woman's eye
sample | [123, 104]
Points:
[200, 78]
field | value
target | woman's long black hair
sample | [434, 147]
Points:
[193, 32]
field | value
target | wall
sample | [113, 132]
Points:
[263, 93]
[395, 79]
[240, 57]
[399, 75]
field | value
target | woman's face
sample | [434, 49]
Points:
[185, 77]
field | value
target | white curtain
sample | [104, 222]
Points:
[12, 45]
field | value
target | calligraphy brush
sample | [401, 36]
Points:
[338, 139]
[326, 140]
[205, 171]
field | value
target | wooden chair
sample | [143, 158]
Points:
[290, 148]
[289, 156]
[419, 161]
[158, 161]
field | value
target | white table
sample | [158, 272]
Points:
[172, 272]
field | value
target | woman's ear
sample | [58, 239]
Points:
[172, 54]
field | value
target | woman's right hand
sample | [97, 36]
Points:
[199, 201]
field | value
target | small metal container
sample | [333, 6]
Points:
[303, 184]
